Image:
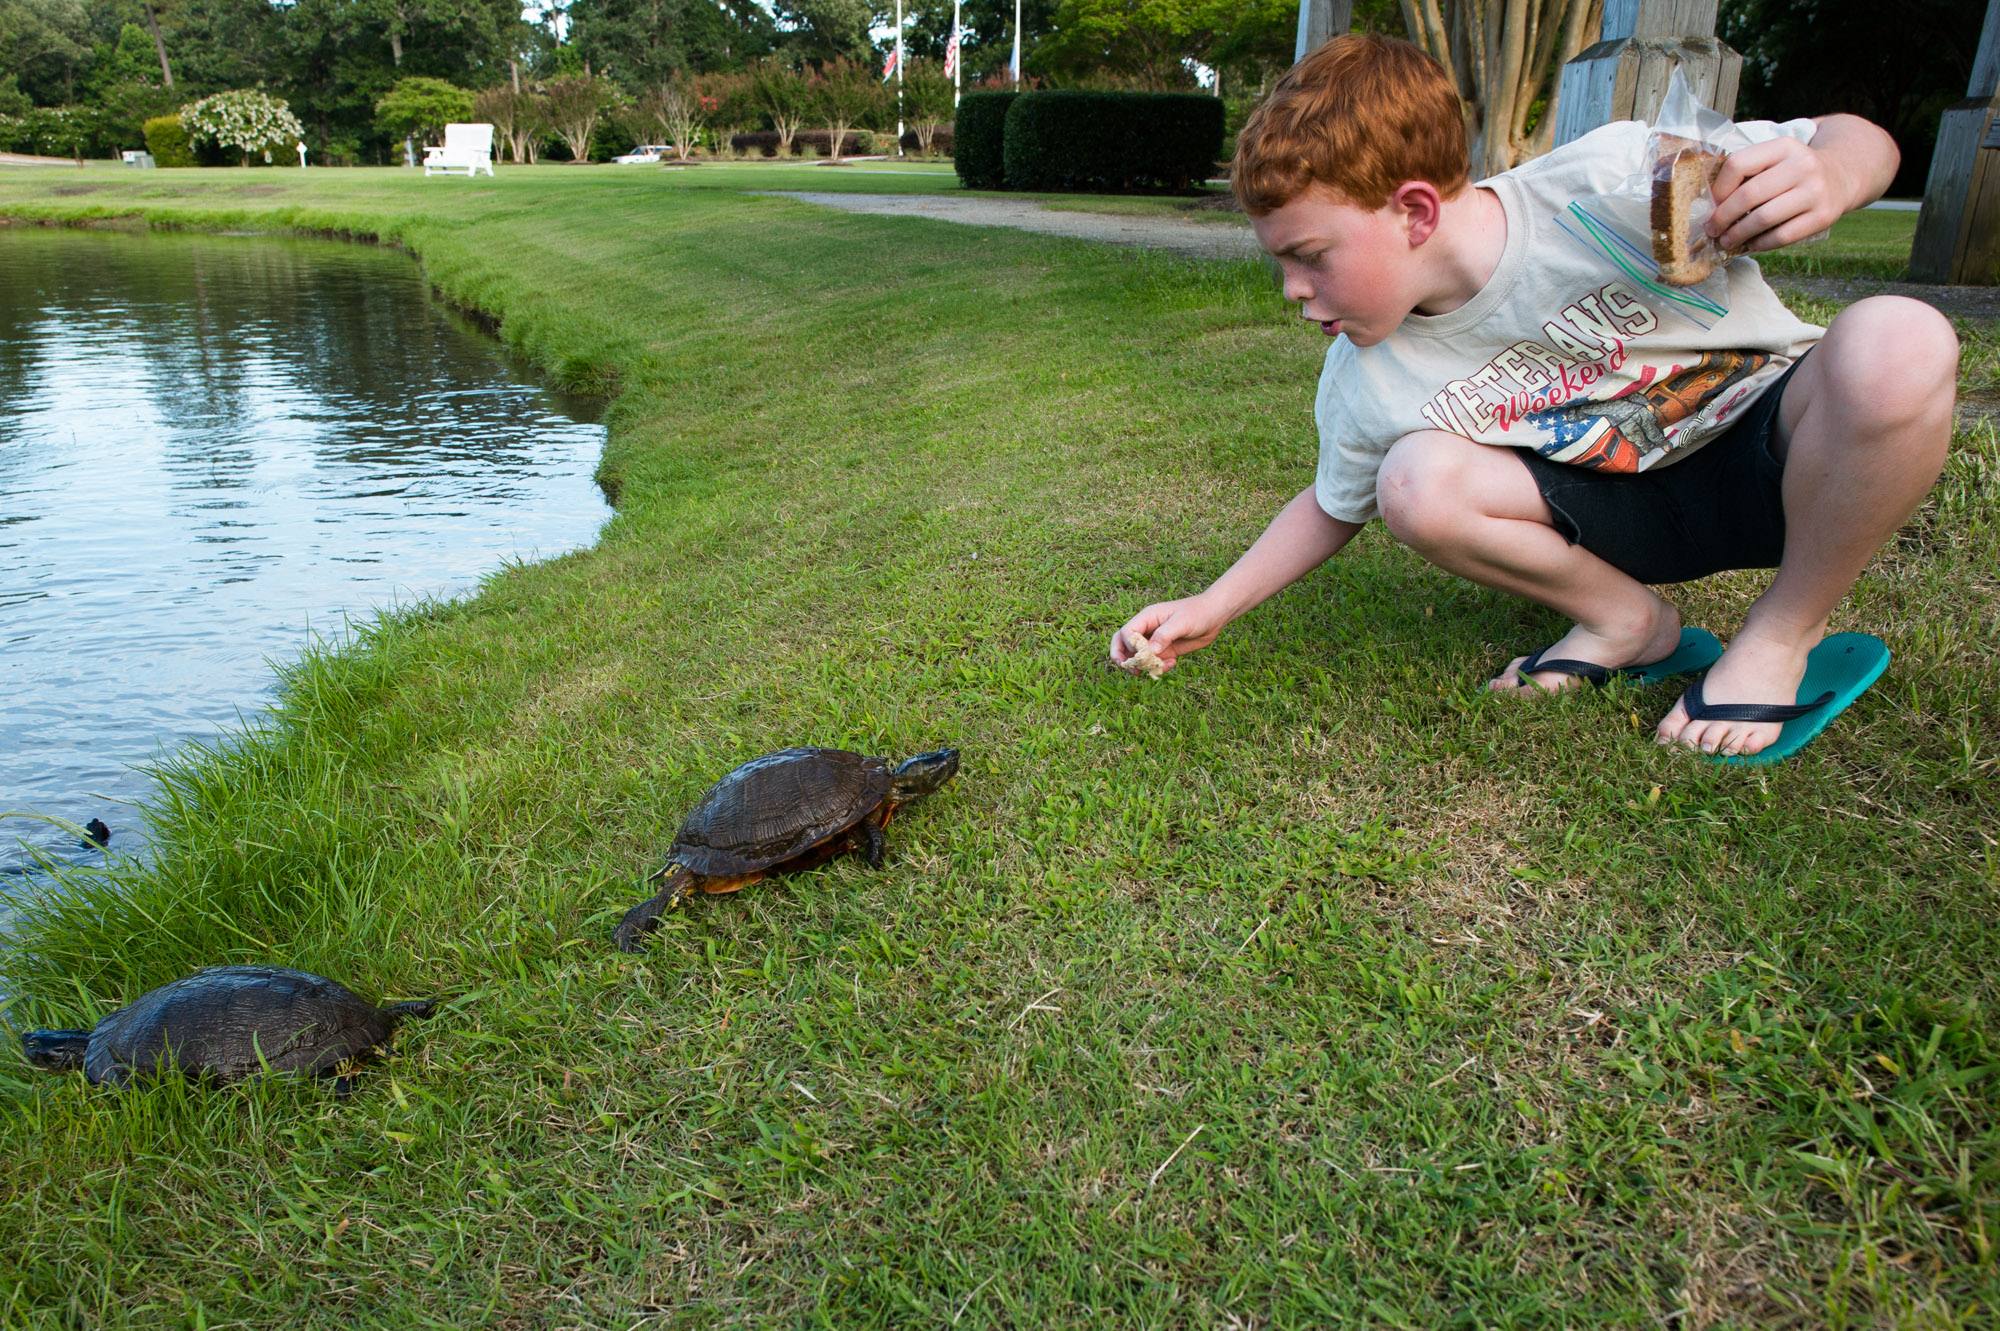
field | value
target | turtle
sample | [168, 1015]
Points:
[780, 813]
[226, 1023]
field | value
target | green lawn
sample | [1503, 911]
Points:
[1307, 986]
[1862, 244]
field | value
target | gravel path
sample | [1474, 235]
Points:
[1197, 240]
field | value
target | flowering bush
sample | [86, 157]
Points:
[53, 131]
[246, 119]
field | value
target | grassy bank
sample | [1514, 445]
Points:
[1307, 986]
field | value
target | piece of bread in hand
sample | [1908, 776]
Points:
[1143, 660]
[1681, 174]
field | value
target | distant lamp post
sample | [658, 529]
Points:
[302, 154]
[1320, 21]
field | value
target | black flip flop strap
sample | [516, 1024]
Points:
[1586, 670]
[1699, 709]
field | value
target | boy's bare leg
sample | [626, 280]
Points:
[1473, 509]
[1863, 431]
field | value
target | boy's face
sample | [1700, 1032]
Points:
[1352, 270]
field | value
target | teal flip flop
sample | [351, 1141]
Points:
[1698, 650]
[1838, 671]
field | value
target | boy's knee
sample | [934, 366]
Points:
[1893, 352]
[1421, 490]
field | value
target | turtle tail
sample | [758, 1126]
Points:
[643, 918]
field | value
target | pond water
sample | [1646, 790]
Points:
[212, 448]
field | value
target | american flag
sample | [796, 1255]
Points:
[951, 53]
[894, 59]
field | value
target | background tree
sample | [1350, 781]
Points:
[847, 94]
[783, 97]
[1505, 57]
[574, 107]
[516, 117]
[819, 30]
[125, 87]
[1144, 42]
[989, 33]
[1899, 66]
[926, 100]
[636, 43]
[421, 108]
[729, 99]
[44, 44]
[676, 108]
[726, 36]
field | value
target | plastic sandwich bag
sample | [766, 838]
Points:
[1685, 149]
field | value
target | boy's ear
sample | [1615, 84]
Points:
[1421, 206]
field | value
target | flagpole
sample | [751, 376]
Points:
[1017, 43]
[958, 65]
[899, 78]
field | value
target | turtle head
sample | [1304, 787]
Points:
[919, 776]
[55, 1051]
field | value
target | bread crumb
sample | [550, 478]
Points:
[1143, 657]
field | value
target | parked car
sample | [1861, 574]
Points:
[645, 154]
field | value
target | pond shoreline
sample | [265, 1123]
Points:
[219, 451]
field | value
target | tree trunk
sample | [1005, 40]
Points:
[396, 45]
[515, 67]
[1504, 56]
[159, 44]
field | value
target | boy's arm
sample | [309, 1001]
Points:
[1781, 191]
[1299, 540]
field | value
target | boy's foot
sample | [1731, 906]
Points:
[1650, 641]
[1754, 670]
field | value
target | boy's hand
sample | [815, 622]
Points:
[1174, 627]
[1781, 191]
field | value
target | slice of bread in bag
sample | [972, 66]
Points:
[1681, 174]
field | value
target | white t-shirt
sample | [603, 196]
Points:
[1573, 348]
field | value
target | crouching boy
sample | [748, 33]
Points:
[1526, 411]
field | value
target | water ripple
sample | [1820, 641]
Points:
[210, 448]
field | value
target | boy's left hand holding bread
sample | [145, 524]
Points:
[1781, 191]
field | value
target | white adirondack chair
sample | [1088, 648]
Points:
[467, 148]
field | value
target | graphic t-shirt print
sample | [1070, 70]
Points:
[1573, 391]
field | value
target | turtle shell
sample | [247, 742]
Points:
[217, 1022]
[777, 807]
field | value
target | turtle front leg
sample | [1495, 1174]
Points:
[873, 844]
[643, 918]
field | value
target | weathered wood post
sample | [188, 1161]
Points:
[1320, 21]
[1958, 231]
[1624, 76]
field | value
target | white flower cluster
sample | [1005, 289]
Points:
[245, 119]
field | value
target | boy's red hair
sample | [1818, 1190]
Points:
[1360, 115]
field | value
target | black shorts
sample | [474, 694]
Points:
[1723, 508]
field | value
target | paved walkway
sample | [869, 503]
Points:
[1198, 240]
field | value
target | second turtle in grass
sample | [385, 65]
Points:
[783, 812]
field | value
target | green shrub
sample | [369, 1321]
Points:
[979, 139]
[167, 140]
[1111, 142]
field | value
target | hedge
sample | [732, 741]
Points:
[940, 141]
[979, 139]
[167, 140]
[855, 143]
[1111, 142]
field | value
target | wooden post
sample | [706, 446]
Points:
[1624, 76]
[1958, 231]
[1320, 21]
